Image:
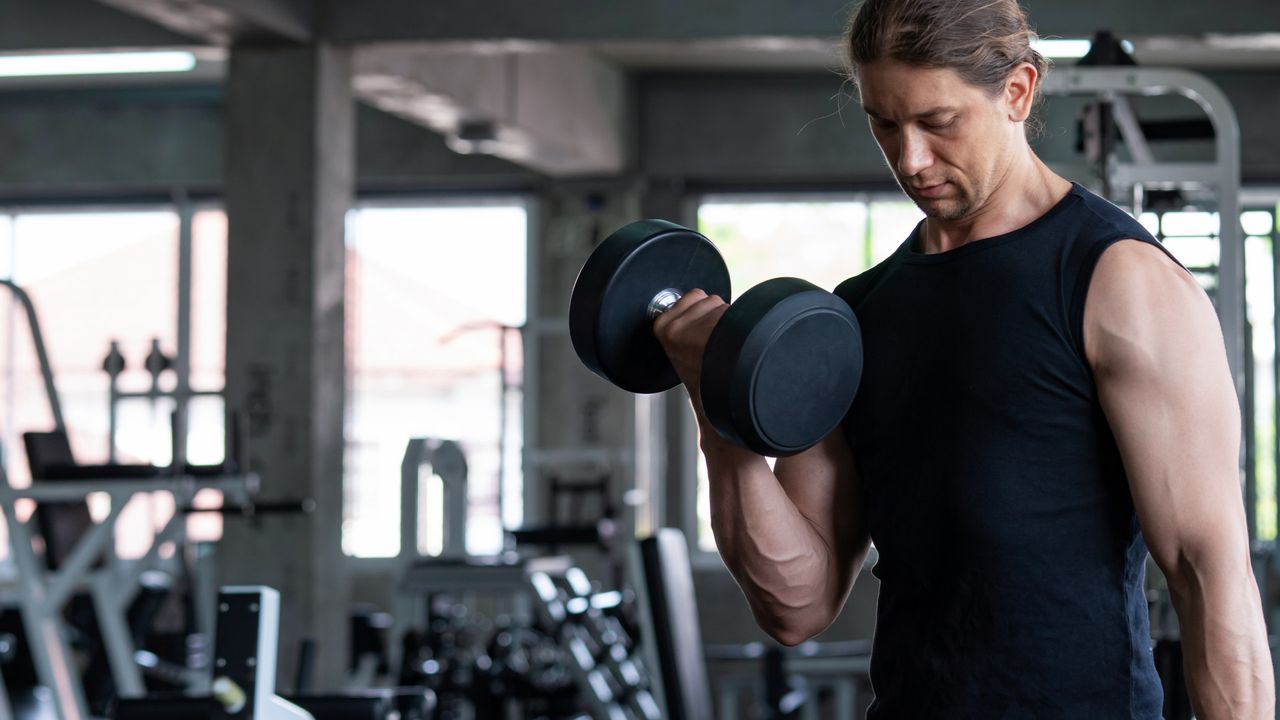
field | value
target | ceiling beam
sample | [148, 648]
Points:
[575, 20]
[557, 112]
[222, 22]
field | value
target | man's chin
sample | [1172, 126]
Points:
[946, 209]
[936, 209]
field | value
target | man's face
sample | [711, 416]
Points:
[946, 141]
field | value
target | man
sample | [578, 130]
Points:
[1045, 396]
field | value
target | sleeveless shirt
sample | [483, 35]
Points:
[1009, 555]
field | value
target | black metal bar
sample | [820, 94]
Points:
[302, 679]
[305, 506]
[1177, 129]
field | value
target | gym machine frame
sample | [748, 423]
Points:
[1113, 84]
[245, 654]
[446, 459]
[41, 595]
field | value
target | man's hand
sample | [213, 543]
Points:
[683, 331]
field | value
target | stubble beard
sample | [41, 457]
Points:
[947, 209]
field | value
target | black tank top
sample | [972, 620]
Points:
[1010, 559]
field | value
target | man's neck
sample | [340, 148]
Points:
[1026, 191]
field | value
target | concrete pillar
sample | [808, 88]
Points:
[288, 185]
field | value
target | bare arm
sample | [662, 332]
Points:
[793, 540]
[1155, 346]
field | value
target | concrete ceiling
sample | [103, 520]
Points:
[791, 54]
[358, 21]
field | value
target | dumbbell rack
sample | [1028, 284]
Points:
[604, 659]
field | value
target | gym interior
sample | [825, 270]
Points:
[294, 424]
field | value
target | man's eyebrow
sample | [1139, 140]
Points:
[938, 110]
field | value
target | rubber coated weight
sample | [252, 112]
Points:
[781, 367]
[609, 322]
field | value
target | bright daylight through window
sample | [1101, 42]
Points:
[433, 293]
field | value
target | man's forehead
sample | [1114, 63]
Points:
[893, 88]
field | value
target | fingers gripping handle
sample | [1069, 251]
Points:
[662, 302]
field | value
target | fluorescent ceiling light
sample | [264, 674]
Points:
[115, 63]
[1068, 49]
[1250, 41]
[1059, 48]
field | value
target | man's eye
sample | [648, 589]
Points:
[940, 125]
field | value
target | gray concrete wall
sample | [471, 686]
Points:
[795, 128]
[693, 129]
[46, 24]
[149, 140]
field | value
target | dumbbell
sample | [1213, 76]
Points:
[781, 365]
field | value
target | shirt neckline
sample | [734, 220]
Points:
[907, 254]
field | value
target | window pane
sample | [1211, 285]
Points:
[208, 298]
[1194, 252]
[1150, 221]
[1260, 307]
[94, 277]
[6, 246]
[429, 289]
[1257, 222]
[1189, 223]
[891, 223]
[824, 242]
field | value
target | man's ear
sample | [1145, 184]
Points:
[1020, 91]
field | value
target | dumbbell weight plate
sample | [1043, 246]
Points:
[781, 367]
[609, 322]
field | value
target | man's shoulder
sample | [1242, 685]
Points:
[1107, 220]
[856, 288]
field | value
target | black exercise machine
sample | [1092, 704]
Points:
[245, 653]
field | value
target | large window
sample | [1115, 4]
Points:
[824, 240]
[433, 295]
[98, 276]
[429, 291]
